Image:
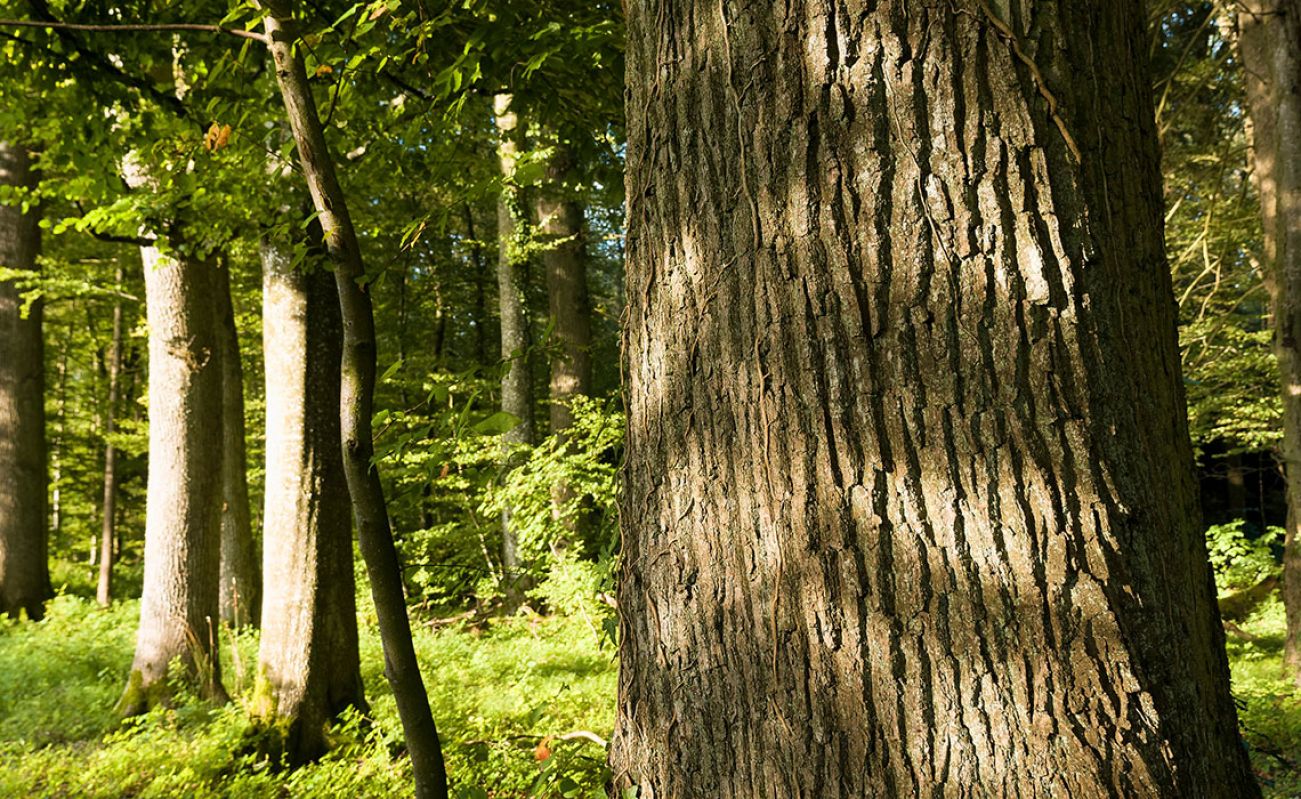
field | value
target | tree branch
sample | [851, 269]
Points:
[133, 28]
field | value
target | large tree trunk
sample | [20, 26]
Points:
[240, 592]
[179, 605]
[308, 658]
[104, 589]
[512, 302]
[560, 225]
[24, 566]
[356, 404]
[1270, 43]
[909, 506]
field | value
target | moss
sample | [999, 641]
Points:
[139, 697]
[262, 704]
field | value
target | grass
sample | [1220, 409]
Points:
[1269, 706]
[497, 693]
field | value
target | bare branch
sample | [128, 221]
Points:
[133, 28]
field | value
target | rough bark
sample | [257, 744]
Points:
[1269, 41]
[240, 591]
[516, 379]
[356, 403]
[182, 558]
[104, 588]
[24, 565]
[560, 225]
[309, 665]
[908, 506]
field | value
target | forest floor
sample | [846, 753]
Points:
[498, 694]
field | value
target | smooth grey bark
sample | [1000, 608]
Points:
[309, 666]
[909, 506]
[356, 404]
[1269, 41]
[512, 304]
[240, 591]
[108, 508]
[54, 445]
[182, 558]
[560, 227]
[24, 557]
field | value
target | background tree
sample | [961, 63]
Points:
[308, 657]
[1270, 43]
[240, 592]
[24, 566]
[182, 560]
[356, 398]
[516, 335]
[108, 509]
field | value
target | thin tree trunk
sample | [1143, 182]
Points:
[104, 590]
[308, 659]
[480, 294]
[560, 224]
[512, 303]
[179, 605]
[133, 368]
[1270, 44]
[1235, 478]
[909, 506]
[356, 403]
[55, 445]
[240, 592]
[24, 559]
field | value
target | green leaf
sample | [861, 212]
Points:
[530, 173]
[496, 424]
[391, 370]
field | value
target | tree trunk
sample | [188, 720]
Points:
[560, 224]
[179, 605]
[55, 445]
[1270, 43]
[356, 403]
[104, 590]
[480, 294]
[308, 658]
[240, 593]
[908, 506]
[512, 302]
[560, 227]
[24, 564]
[1235, 480]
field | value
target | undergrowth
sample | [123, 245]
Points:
[504, 698]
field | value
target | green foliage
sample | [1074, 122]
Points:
[1213, 237]
[1269, 710]
[1239, 561]
[585, 462]
[503, 696]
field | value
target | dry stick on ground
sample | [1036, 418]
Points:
[357, 394]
